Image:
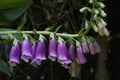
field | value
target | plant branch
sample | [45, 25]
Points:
[41, 32]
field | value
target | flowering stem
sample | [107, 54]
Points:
[41, 32]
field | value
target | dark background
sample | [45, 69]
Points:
[103, 66]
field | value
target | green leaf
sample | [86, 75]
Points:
[12, 9]
[4, 68]
[49, 28]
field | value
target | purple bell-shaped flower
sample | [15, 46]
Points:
[92, 49]
[85, 47]
[72, 52]
[67, 61]
[26, 50]
[96, 47]
[14, 57]
[62, 52]
[33, 55]
[81, 59]
[52, 49]
[40, 52]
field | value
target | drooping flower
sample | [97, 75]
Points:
[62, 52]
[53, 49]
[96, 47]
[92, 49]
[100, 26]
[33, 55]
[72, 52]
[81, 59]
[102, 13]
[26, 50]
[14, 57]
[85, 47]
[106, 32]
[66, 62]
[40, 52]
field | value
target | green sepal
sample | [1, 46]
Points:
[60, 39]
[42, 38]
[78, 44]
[32, 40]
[52, 35]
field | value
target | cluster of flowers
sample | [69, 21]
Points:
[96, 23]
[57, 50]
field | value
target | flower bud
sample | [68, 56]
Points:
[96, 11]
[100, 25]
[95, 28]
[26, 50]
[106, 32]
[101, 4]
[100, 32]
[83, 9]
[102, 13]
[90, 1]
[103, 22]
[14, 55]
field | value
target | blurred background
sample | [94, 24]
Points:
[44, 13]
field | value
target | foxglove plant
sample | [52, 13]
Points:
[52, 49]
[26, 50]
[40, 52]
[14, 57]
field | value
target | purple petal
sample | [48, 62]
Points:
[85, 47]
[65, 66]
[53, 49]
[96, 47]
[62, 52]
[80, 57]
[14, 55]
[40, 52]
[92, 49]
[72, 52]
[68, 60]
[33, 55]
[26, 50]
